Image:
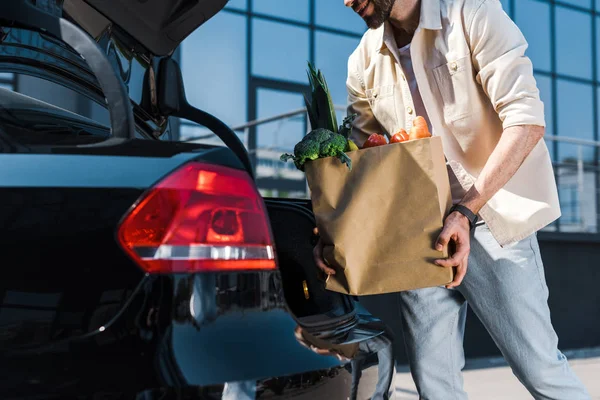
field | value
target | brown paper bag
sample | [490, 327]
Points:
[379, 221]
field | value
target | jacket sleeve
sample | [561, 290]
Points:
[358, 103]
[505, 73]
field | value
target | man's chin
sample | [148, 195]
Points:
[373, 24]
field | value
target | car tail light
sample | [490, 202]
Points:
[200, 218]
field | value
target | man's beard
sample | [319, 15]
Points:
[381, 12]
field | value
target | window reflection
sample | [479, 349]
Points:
[533, 18]
[577, 200]
[506, 6]
[296, 10]
[580, 3]
[575, 118]
[574, 42]
[213, 63]
[283, 134]
[333, 14]
[544, 84]
[598, 44]
[239, 4]
[331, 57]
[279, 50]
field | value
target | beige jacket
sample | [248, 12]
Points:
[474, 79]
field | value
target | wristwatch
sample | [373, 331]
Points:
[471, 216]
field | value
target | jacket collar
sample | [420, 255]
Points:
[430, 19]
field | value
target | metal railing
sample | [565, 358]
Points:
[577, 176]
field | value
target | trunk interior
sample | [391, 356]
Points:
[292, 222]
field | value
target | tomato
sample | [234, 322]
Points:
[375, 140]
[399, 137]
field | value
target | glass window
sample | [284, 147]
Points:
[6, 76]
[544, 84]
[63, 97]
[569, 201]
[506, 6]
[580, 3]
[533, 18]
[279, 51]
[213, 63]
[297, 10]
[334, 14]
[285, 133]
[239, 4]
[331, 57]
[577, 194]
[598, 45]
[573, 42]
[99, 113]
[277, 137]
[196, 133]
[575, 119]
[136, 80]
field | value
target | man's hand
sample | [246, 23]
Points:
[456, 229]
[318, 256]
[322, 352]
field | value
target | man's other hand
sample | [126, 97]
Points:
[318, 256]
[456, 229]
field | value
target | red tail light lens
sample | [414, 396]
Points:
[202, 217]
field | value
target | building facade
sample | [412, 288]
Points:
[249, 62]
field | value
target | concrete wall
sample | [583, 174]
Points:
[572, 267]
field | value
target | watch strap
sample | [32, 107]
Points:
[470, 215]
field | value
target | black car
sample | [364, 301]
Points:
[134, 266]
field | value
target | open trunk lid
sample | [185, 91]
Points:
[158, 25]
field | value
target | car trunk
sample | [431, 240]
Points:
[314, 307]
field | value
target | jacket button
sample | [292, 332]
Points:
[409, 110]
[453, 66]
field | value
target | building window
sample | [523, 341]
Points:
[293, 10]
[580, 3]
[573, 42]
[279, 51]
[331, 57]
[213, 64]
[537, 32]
[569, 203]
[575, 119]
[333, 14]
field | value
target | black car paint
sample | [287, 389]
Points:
[73, 303]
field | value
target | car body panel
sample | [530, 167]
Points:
[78, 317]
[159, 25]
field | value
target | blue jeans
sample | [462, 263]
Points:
[506, 289]
[382, 345]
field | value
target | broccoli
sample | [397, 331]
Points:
[325, 139]
[319, 143]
